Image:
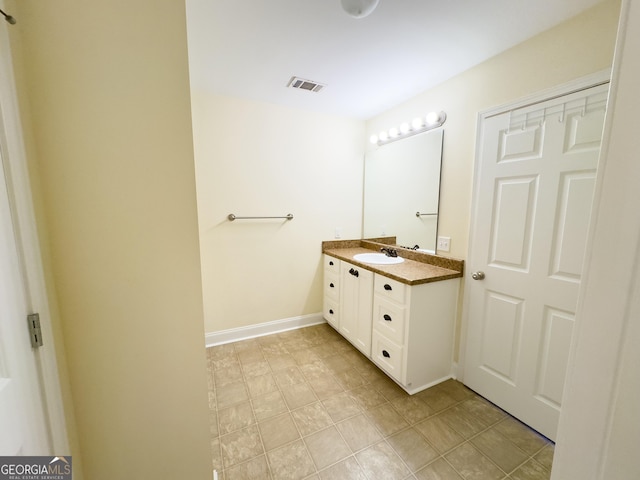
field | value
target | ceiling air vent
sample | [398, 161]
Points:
[302, 84]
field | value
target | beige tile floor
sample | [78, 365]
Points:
[305, 404]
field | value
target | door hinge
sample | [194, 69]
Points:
[34, 329]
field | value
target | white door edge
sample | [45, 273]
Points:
[19, 190]
[599, 78]
[591, 455]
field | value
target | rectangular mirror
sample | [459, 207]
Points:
[402, 190]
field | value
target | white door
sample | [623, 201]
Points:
[532, 204]
[23, 427]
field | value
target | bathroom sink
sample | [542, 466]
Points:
[377, 259]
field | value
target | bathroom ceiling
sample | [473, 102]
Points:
[252, 48]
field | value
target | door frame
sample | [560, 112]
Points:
[599, 78]
[29, 253]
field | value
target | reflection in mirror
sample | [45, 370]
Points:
[401, 180]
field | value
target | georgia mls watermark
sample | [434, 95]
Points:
[35, 468]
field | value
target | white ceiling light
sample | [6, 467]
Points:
[359, 8]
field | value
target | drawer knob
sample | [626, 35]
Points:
[385, 354]
[387, 287]
[331, 285]
[330, 263]
[331, 311]
[387, 317]
[354, 272]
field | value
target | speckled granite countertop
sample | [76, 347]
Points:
[416, 269]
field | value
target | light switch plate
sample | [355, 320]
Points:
[444, 244]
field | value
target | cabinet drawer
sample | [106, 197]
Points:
[332, 285]
[390, 289]
[331, 264]
[387, 355]
[389, 319]
[331, 311]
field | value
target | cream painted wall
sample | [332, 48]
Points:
[266, 160]
[108, 93]
[576, 48]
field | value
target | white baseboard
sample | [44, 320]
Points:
[252, 331]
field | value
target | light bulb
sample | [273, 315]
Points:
[394, 132]
[404, 128]
[432, 118]
[417, 123]
[373, 139]
[383, 136]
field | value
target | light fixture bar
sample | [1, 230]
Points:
[418, 125]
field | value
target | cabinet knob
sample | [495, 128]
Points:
[330, 263]
[354, 272]
[331, 311]
[387, 287]
[331, 285]
[385, 354]
[387, 317]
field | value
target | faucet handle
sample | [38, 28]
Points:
[389, 252]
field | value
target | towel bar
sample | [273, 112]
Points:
[232, 217]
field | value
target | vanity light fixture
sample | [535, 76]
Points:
[418, 125]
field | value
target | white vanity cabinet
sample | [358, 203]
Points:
[413, 329]
[356, 300]
[406, 330]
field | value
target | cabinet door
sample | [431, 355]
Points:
[388, 356]
[389, 319]
[331, 312]
[357, 305]
[331, 265]
[332, 285]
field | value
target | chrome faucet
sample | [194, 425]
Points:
[389, 252]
